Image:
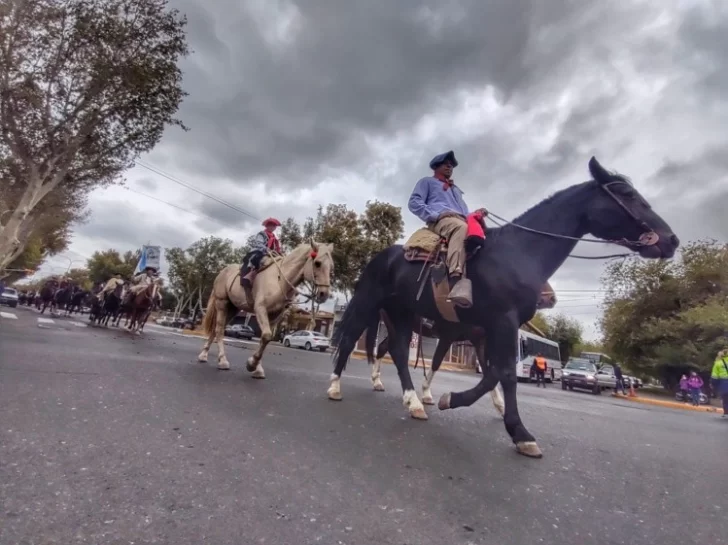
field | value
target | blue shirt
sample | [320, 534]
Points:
[429, 199]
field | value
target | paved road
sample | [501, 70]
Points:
[108, 439]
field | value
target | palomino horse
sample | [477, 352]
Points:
[507, 276]
[273, 290]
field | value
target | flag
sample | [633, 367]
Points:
[151, 257]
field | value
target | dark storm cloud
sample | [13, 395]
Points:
[354, 70]
[704, 39]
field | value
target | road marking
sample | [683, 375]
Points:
[45, 321]
[8, 315]
[79, 324]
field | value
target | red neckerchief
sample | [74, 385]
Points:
[447, 183]
[273, 243]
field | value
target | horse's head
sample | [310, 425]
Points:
[321, 262]
[618, 212]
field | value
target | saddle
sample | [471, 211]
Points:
[429, 248]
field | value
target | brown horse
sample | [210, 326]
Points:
[141, 305]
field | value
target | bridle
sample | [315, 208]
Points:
[648, 238]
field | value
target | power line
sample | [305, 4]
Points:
[170, 204]
[196, 190]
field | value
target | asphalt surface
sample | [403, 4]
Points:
[111, 439]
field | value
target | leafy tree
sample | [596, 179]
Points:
[80, 277]
[104, 264]
[565, 331]
[193, 271]
[291, 235]
[88, 86]
[663, 318]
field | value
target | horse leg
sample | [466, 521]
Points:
[443, 345]
[399, 350]
[502, 347]
[374, 360]
[221, 318]
[495, 394]
[253, 365]
[382, 349]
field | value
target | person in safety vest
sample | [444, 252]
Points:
[263, 242]
[719, 376]
[539, 369]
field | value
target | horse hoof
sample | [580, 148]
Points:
[223, 366]
[379, 387]
[444, 402]
[419, 414]
[334, 395]
[428, 400]
[529, 448]
[258, 373]
[202, 358]
[250, 367]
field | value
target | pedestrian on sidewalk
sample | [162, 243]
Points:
[719, 377]
[620, 380]
[684, 390]
[695, 383]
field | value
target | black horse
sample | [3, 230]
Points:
[507, 276]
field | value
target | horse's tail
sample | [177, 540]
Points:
[209, 322]
[362, 312]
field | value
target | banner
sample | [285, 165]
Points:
[151, 257]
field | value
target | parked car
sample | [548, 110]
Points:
[9, 297]
[240, 331]
[583, 374]
[307, 339]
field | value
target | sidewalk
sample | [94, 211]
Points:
[672, 404]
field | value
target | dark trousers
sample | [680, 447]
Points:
[725, 404]
[540, 377]
[252, 261]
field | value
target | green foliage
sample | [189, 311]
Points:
[104, 264]
[88, 86]
[356, 238]
[81, 278]
[663, 318]
[562, 329]
[193, 271]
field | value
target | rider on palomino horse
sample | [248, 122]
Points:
[438, 202]
[264, 242]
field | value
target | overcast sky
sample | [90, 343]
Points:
[299, 103]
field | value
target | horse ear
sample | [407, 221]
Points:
[598, 172]
[314, 246]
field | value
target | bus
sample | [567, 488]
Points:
[529, 345]
[597, 358]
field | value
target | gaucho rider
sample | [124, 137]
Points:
[140, 282]
[438, 202]
[263, 242]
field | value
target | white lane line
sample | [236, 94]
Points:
[45, 321]
[8, 315]
[79, 324]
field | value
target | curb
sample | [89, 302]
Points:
[443, 367]
[673, 404]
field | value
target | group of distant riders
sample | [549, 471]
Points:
[106, 298]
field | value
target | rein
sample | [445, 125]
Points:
[295, 290]
[648, 238]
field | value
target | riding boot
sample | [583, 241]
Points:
[461, 293]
